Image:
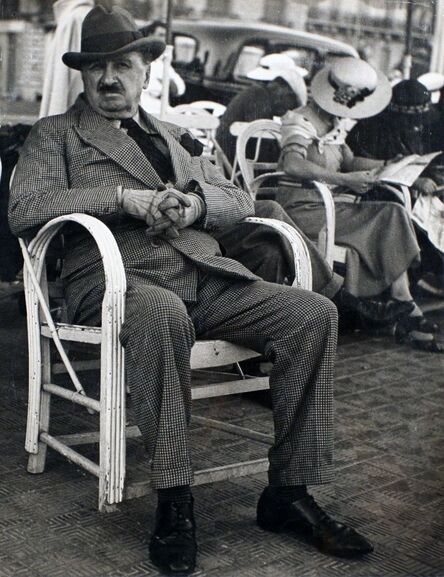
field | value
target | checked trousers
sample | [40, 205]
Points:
[295, 329]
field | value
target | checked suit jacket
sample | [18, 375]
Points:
[75, 161]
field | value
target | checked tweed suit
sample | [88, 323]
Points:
[179, 289]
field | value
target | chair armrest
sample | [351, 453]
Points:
[35, 251]
[115, 280]
[402, 193]
[327, 238]
[302, 263]
[258, 180]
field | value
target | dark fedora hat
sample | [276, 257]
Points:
[106, 34]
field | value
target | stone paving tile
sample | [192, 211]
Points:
[389, 483]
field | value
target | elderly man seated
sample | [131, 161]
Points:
[107, 158]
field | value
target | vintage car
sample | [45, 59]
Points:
[214, 57]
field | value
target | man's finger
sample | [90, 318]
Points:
[152, 218]
[171, 232]
[158, 220]
[174, 214]
[169, 202]
[181, 197]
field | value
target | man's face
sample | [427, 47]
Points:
[113, 86]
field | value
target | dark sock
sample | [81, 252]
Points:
[288, 494]
[181, 494]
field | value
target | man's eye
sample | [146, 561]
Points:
[94, 66]
[124, 65]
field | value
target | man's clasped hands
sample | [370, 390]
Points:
[165, 211]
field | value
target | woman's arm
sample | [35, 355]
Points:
[301, 169]
[352, 163]
[361, 163]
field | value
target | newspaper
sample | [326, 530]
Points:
[406, 170]
[428, 213]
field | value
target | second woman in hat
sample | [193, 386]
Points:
[379, 236]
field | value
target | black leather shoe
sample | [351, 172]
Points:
[173, 546]
[383, 312]
[306, 519]
[372, 309]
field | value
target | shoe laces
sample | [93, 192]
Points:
[325, 518]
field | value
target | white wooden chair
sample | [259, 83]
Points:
[269, 129]
[201, 118]
[44, 330]
[265, 129]
[199, 121]
[214, 108]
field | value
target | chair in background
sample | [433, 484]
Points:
[199, 121]
[258, 131]
[214, 108]
[44, 331]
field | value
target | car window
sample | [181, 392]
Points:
[185, 48]
[332, 57]
[248, 59]
[304, 57]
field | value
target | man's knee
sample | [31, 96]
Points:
[153, 310]
[319, 312]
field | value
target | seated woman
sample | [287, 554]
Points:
[411, 125]
[379, 236]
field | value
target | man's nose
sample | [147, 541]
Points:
[109, 75]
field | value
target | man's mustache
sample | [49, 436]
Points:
[110, 88]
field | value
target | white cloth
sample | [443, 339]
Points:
[62, 85]
[151, 96]
[428, 213]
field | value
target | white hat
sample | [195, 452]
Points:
[433, 81]
[272, 66]
[270, 63]
[351, 88]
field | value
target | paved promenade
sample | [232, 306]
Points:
[390, 469]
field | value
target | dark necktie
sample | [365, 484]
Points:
[161, 163]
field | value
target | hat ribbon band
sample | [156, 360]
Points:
[348, 95]
[413, 109]
[109, 42]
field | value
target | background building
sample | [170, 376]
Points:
[375, 27]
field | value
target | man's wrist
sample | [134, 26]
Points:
[119, 198]
[200, 207]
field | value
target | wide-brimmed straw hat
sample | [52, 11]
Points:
[272, 66]
[106, 34]
[351, 88]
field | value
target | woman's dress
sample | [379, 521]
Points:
[379, 236]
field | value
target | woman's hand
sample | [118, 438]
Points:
[425, 185]
[360, 182]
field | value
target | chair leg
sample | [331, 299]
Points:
[112, 422]
[37, 461]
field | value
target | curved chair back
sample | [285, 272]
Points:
[214, 108]
[259, 130]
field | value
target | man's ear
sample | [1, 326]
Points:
[147, 76]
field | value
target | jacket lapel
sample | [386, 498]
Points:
[114, 143]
